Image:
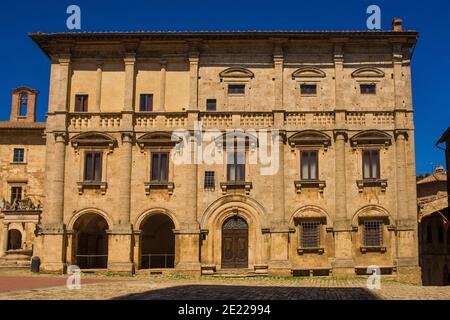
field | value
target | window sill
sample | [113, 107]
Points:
[366, 183]
[18, 163]
[381, 249]
[243, 185]
[92, 185]
[159, 185]
[302, 251]
[318, 184]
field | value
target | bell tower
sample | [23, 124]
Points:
[23, 108]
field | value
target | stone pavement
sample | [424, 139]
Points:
[194, 288]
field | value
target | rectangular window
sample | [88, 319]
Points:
[236, 166]
[236, 89]
[211, 105]
[371, 164]
[368, 89]
[93, 167]
[146, 103]
[373, 233]
[309, 165]
[19, 155]
[16, 194]
[81, 103]
[310, 234]
[160, 167]
[308, 89]
[210, 183]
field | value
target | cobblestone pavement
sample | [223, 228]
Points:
[193, 288]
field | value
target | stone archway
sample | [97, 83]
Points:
[235, 243]
[90, 241]
[14, 239]
[157, 242]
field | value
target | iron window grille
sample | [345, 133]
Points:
[310, 234]
[373, 233]
[210, 181]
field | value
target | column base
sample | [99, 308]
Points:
[121, 267]
[54, 267]
[410, 274]
[343, 267]
[188, 268]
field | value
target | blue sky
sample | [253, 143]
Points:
[22, 63]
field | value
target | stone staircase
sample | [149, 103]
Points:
[16, 259]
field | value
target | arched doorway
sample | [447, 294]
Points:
[14, 239]
[91, 242]
[157, 244]
[235, 243]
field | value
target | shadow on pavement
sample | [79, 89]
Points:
[223, 292]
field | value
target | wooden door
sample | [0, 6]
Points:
[235, 244]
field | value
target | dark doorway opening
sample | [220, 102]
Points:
[14, 239]
[91, 242]
[157, 243]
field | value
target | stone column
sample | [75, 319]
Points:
[407, 252]
[53, 259]
[53, 229]
[339, 74]
[120, 237]
[193, 92]
[130, 62]
[162, 92]
[399, 83]
[279, 231]
[98, 87]
[4, 247]
[278, 60]
[188, 237]
[343, 264]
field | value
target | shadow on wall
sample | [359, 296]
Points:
[212, 292]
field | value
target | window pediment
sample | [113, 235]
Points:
[310, 138]
[157, 139]
[238, 138]
[237, 73]
[373, 137]
[368, 72]
[93, 139]
[308, 72]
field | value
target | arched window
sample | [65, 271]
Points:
[23, 105]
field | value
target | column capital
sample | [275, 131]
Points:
[127, 137]
[401, 134]
[65, 58]
[340, 134]
[60, 136]
[129, 58]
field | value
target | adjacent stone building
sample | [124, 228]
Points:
[434, 234]
[337, 107]
[22, 162]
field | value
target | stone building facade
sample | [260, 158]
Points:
[22, 162]
[338, 110]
